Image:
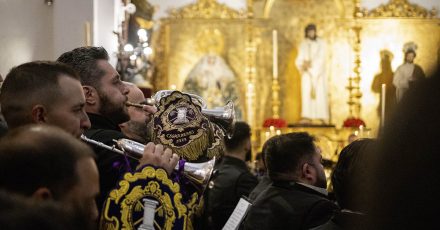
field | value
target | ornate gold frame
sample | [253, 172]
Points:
[177, 48]
[349, 28]
[389, 27]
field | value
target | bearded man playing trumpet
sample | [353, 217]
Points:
[105, 104]
[51, 93]
[136, 128]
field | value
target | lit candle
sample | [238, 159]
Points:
[361, 131]
[272, 129]
[383, 94]
[275, 53]
[267, 134]
[88, 36]
[173, 87]
[278, 132]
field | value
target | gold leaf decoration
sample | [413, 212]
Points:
[206, 9]
[399, 9]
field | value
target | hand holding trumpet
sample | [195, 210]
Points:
[157, 156]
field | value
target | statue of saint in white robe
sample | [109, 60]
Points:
[311, 62]
[406, 74]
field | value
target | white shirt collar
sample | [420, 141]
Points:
[318, 189]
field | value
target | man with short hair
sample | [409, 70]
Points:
[45, 162]
[106, 98]
[44, 92]
[297, 198]
[136, 128]
[232, 178]
[351, 187]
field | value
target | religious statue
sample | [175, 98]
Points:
[214, 80]
[311, 62]
[407, 73]
[385, 77]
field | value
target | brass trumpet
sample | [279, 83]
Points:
[223, 116]
[198, 173]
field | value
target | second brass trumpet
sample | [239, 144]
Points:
[148, 101]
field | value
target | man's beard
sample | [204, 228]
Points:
[114, 112]
[321, 181]
[312, 38]
[140, 129]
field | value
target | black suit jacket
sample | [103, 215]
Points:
[263, 184]
[343, 220]
[111, 165]
[288, 205]
[231, 181]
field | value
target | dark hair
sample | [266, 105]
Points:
[409, 51]
[85, 61]
[29, 84]
[308, 28]
[34, 156]
[259, 156]
[349, 177]
[284, 153]
[18, 212]
[242, 132]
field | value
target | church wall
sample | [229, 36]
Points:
[104, 23]
[32, 30]
[25, 32]
[69, 24]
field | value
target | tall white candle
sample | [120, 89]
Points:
[275, 53]
[383, 94]
[88, 34]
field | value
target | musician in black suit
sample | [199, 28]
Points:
[232, 179]
[297, 199]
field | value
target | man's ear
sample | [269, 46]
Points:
[123, 125]
[90, 94]
[42, 193]
[307, 174]
[39, 113]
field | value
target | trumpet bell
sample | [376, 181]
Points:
[223, 116]
[199, 173]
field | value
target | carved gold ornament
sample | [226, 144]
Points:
[399, 9]
[206, 9]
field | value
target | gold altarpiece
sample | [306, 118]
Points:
[355, 39]
[209, 27]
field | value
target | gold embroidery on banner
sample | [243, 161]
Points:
[196, 139]
[133, 199]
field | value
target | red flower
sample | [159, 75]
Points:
[275, 122]
[354, 122]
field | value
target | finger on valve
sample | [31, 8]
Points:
[150, 109]
[169, 161]
[158, 150]
[148, 157]
[174, 160]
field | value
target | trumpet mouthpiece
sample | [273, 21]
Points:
[128, 103]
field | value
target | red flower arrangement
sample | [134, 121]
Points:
[353, 122]
[275, 122]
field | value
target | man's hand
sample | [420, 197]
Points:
[155, 155]
[150, 110]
